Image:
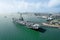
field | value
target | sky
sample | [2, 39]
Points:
[9, 6]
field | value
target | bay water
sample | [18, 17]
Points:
[12, 31]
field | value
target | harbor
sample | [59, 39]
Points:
[49, 22]
[29, 19]
[12, 31]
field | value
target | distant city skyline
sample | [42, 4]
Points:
[9, 6]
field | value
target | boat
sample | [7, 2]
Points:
[5, 16]
[26, 23]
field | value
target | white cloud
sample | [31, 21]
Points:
[15, 6]
[52, 3]
[6, 7]
[19, 6]
[28, 6]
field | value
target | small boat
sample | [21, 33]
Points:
[5, 16]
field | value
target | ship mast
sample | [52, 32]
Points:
[21, 18]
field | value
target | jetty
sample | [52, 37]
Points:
[51, 25]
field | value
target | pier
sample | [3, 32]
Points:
[52, 26]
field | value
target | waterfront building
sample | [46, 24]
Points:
[56, 16]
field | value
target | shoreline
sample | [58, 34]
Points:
[54, 26]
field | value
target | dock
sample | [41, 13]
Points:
[50, 25]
